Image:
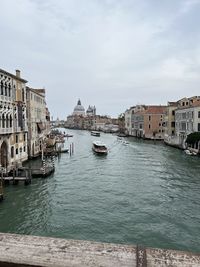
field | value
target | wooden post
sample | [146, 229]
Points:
[72, 148]
[44, 167]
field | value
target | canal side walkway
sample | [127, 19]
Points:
[22, 250]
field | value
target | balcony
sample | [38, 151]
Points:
[5, 98]
[6, 130]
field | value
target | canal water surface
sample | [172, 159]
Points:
[140, 193]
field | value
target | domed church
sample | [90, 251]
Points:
[79, 109]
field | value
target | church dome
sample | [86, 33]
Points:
[79, 109]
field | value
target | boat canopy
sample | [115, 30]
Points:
[98, 143]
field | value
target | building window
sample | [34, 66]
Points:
[149, 126]
[24, 137]
[23, 95]
[1, 88]
[199, 114]
[12, 151]
[173, 112]
[20, 149]
[198, 127]
[16, 139]
[24, 149]
[149, 118]
[16, 151]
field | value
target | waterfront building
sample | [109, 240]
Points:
[137, 121]
[154, 122]
[170, 119]
[146, 121]
[181, 120]
[101, 121]
[187, 119]
[13, 119]
[128, 120]
[38, 121]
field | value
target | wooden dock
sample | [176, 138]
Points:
[24, 251]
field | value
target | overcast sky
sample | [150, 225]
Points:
[109, 53]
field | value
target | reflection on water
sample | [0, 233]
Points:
[140, 192]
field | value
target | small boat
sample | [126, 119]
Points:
[68, 135]
[99, 148]
[94, 133]
[125, 143]
[189, 152]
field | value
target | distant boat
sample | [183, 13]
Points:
[99, 148]
[68, 135]
[189, 152]
[94, 133]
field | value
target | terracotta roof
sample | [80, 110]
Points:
[155, 110]
[196, 103]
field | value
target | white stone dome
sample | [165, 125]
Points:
[79, 109]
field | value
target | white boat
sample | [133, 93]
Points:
[99, 147]
[95, 133]
[188, 152]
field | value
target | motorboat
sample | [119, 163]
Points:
[189, 152]
[68, 135]
[95, 133]
[99, 148]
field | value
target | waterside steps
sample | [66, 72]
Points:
[24, 251]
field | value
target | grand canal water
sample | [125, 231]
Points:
[142, 193]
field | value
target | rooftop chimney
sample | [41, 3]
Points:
[18, 73]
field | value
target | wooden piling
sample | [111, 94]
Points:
[72, 148]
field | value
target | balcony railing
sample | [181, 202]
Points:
[6, 130]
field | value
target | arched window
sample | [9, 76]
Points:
[10, 121]
[12, 151]
[6, 93]
[1, 88]
[7, 121]
[9, 90]
[3, 121]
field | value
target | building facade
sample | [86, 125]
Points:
[187, 119]
[13, 120]
[38, 121]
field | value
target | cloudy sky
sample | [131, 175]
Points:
[109, 53]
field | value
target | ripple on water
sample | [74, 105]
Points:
[142, 193]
